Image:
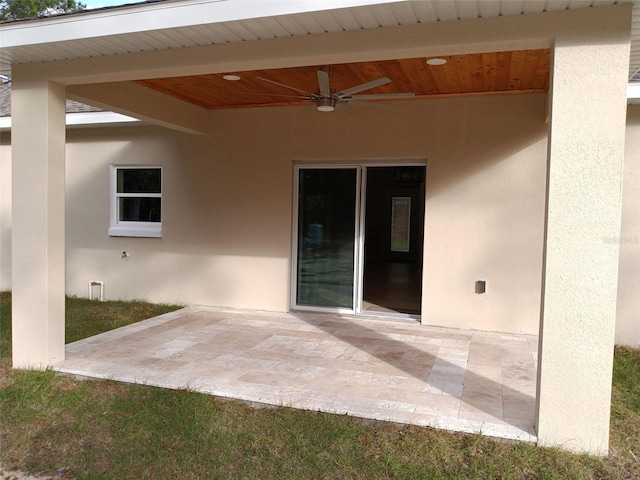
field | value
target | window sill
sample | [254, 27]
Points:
[130, 231]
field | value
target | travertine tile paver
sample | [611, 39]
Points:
[368, 367]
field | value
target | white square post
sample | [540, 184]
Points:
[38, 241]
[580, 277]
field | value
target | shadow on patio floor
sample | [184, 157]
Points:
[371, 368]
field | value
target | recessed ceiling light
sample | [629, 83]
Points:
[436, 61]
[232, 78]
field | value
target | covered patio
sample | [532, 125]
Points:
[523, 190]
[380, 369]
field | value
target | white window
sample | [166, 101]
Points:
[136, 201]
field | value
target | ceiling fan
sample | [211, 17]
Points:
[326, 100]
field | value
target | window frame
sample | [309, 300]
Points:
[123, 228]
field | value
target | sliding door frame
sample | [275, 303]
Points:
[359, 234]
[295, 236]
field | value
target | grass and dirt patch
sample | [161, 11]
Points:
[107, 430]
[84, 318]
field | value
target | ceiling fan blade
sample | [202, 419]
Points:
[383, 96]
[323, 81]
[364, 86]
[285, 86]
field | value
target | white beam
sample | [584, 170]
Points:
[134, 100]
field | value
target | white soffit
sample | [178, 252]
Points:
[634, 61]
[173, 24]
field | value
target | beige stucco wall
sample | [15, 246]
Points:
[225, 217]
[228, 203]
[486, 162]
[628, 307]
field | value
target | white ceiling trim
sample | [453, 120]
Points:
[174, 24]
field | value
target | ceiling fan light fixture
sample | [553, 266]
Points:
[325, 105]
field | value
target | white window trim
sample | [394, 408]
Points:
[132, 229]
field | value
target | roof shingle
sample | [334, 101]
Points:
[72, 106]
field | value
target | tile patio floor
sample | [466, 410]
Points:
[378, 369]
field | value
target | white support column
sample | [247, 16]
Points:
[585, 156]
[38, 257]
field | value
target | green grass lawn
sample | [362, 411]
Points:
[84, 318]
[108, 430]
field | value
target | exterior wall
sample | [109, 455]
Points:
[485, 216]
[485, 203]
[226, 216]
[628, 309]
[227, 204]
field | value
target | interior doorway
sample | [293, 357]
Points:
[393, 239]
[358, 239]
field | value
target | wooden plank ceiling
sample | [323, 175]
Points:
[521, 71]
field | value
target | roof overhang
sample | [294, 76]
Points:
[168, 14]
[173, 24]
[198, 30]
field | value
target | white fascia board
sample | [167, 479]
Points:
[98, 118]
[86, 119]
[158, 16]
[633, 93]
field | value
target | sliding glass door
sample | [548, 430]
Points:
[358, 239]
[326, 237]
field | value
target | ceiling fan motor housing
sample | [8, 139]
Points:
[325, 104]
